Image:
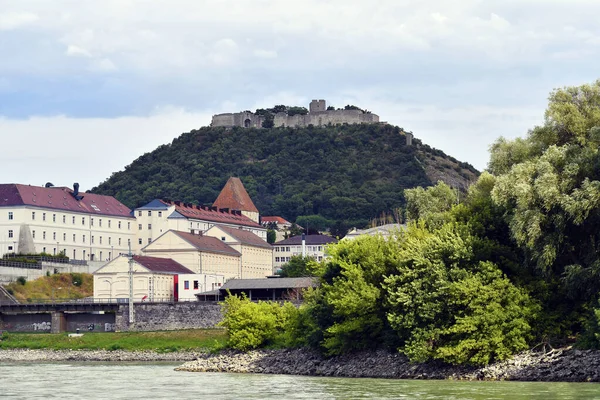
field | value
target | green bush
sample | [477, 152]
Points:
[21, 280]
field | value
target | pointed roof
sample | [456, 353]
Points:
[164, 265]
[244, 237]
[235, 197]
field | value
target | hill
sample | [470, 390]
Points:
[55, 287]
[347, 174]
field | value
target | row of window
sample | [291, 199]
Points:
[286, 259]
[64, 238]
[299, 248]
[73, 219]
[149, 227]
[149, 213]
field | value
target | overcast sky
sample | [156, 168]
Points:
[88, 86]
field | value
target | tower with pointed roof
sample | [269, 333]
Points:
[235, 197]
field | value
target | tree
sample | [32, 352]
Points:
[269, 121]
[431, 203]
[314, 224]
[271, 236]
[297, 266]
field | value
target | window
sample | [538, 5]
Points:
[100, 256]
[149, 226]
[119, 241]
[43, 249]
[129, 241]
[140, 227]
[44, 236]
[223, 238]
[10, 215]
[320, 248]
[53, 217]
[91, 221]
[53, 235]
[320, 258]
[149, 213]
[129, 226]
[186, 285]
[109, 225]
[100, 241]
[64, 237]
[109, 241]
[73, 220]
[10, 233]
[100, 225]
[149, 240]
[140, 241]
[277, 249]
[43, 216]
[83, 239]
[33, 215]
[64, 219]
[74, 237]
[92, 240]
[9, 248]
[287, 249]
[119, 224]
[196, 285]
[160, 213]
[82, 220]
[276, 259]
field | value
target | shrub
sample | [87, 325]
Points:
[21, 280]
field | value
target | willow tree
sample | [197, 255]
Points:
[549, 183]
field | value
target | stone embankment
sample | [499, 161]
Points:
[562, 365]
[28, 355]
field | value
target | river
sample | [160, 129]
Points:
[159, 381]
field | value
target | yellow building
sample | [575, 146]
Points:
[154, 279]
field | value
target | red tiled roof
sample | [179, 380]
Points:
[207, 243]
[276, 219]
[197, 212]
[60, 198]
[235, 197]
[309, 239]
[157, 264]
[245, 237]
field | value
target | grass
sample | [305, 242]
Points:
[57, 286]
[162, 342]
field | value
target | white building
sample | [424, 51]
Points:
[383, 230]
[51, 220]
[314, 247]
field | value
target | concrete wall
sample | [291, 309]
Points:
[44, 322]
[10, 274]
[170, 316]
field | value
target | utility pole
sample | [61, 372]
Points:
[131, 310]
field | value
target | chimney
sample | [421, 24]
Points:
[303, 246]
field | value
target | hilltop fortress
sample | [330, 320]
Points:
[318, 115]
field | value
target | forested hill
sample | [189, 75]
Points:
[347, 174]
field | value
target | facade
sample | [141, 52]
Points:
[52, 220]
[384, 230]
[282, 226]
[154, 279]
[189, 285]
[256, 259]
[318, 115]
[314, 247]
[198, 252]
[160, 216]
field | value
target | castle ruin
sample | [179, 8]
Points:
[318, 115]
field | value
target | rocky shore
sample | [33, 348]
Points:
[27, 355]
[561, 365]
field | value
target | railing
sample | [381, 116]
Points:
[92, 300]
[19, 264]
[56, 259]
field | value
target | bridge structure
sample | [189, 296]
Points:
[65, 315]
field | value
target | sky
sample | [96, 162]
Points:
[87, 86]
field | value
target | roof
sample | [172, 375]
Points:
[61, 199]
[205, 213]
[235, 197]
[270, 283]
[278, 220]
[310, 240]
[207, 243]
[155, 204]
[167, 265]
[245, 237]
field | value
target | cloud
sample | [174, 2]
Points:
[15, 20]
[77, 51]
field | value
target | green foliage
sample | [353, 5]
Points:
[254, 324]
[446, 304]
[271, 236]
[346, 174]
[429, 204]
[21, 280]
[57, 286]
[297, 266]
[314, 224]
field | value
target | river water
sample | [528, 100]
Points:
[160, 381]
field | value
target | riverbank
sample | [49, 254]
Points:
[561, 365]
[45, 355]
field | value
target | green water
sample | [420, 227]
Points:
[160, 381]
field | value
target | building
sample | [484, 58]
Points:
[154, 279]
[263, 289]
[384, 230]
[256, 259]
[160, 216]
[318, 115]
[234, 196]
[314, 247]
[279, 224]
[52, 220]
[199, 253]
